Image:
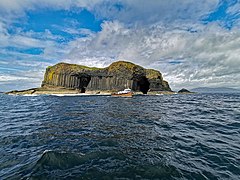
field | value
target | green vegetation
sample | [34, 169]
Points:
[70, 67]
[50, 75]
[119, 67]
[153, 74]
[124, 68]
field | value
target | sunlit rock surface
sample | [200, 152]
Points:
[117, 76]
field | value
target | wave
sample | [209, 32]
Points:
[96, 165]
[170, 137]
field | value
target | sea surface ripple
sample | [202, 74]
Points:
[99, 137]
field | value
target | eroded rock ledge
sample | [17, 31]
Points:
[118, 76]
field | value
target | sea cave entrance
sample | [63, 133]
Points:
[82, 82]
[143, 85]
[82, 90]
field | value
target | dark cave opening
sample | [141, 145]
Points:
[82, 90]
[83, 81]
[143, 85]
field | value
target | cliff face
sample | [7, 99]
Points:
[118, 76]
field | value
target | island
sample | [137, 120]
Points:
[185, 91]
[64, 78]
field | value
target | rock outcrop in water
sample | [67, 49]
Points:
[185, 91]
[117, 76]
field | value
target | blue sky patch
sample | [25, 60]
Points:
[32, 51]
[175, 62]
[119, 6]
[220, 14]
[58, 22]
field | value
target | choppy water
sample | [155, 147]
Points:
[145, 137]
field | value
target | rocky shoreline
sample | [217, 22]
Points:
[49, 91]
[65, 91]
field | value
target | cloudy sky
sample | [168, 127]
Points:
[193, 43]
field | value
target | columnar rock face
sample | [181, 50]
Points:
[118, 76]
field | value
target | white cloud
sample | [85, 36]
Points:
[209, 55]
[52, 49]
[21, 79]
[17, 65]
[234, 10]
[11, 78]
[165, 35]
[124, 10]
[152, 11]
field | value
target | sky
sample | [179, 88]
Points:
[192, 43]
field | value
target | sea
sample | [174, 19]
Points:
[191, 136]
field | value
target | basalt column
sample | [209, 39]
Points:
[118, 76]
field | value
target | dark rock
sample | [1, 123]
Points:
[28, 91]
[117, 76]
[184, 91]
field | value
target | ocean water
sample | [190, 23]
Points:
[99, 137]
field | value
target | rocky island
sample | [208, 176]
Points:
[185, 91]
[64, 78]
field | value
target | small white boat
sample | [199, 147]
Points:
[125, 93]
